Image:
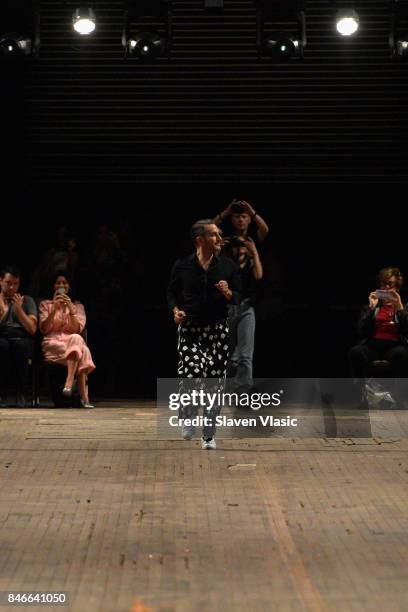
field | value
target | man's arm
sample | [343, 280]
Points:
[28, 321]
[257, 269]
[3, 308]
[262, 227]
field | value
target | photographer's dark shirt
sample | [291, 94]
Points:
[248, 282]
[193, 289]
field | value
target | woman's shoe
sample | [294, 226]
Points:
[67, 391]
[86, 404]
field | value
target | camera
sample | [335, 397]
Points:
[234, 241]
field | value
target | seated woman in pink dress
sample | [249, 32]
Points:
[61, 323]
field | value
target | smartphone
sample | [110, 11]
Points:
[383, 294]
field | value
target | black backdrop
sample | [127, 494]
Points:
[318, 146]
[320, 262]
[213, 112]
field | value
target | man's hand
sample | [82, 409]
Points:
[17, 300]
[179, 316]
[29, 322]
[223, 288]
[248, 208]
[250, 245]
[373, 300]
[228, 211]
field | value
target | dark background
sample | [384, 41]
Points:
[318, 147]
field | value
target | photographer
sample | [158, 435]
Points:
[383, 326]
[240, 216]
[241, 317]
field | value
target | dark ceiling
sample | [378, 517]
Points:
[213, 112]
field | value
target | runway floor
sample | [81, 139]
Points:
[94, 504]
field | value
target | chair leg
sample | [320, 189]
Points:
[33, 388]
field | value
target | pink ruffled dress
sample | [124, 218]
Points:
[59, 342]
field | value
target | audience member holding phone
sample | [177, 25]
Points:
[61, 322]
[383, 327]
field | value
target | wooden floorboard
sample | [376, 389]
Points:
[95, 503]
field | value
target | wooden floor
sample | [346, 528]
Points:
[94, 504]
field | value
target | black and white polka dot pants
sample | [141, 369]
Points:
[203, 350]
[204, 353]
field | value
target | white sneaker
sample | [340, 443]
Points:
[208, 444]
[188, 432]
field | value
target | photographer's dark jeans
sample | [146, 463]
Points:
[362, 355]
[14, 356]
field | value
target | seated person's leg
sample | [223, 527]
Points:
[4, 358]
[21, 351]
[360, 357]
[398, 358]
[72, 365]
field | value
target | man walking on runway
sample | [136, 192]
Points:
[200, 289]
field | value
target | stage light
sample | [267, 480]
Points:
[283, 44]
[84, 21]
[146, 45]
[14, 45]
[147, 29]
[399, 30]
[280, 44]
[20, 34]
[401, 46]
[347, 22]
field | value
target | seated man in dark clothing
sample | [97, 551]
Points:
[18, 324]
[383, 326]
